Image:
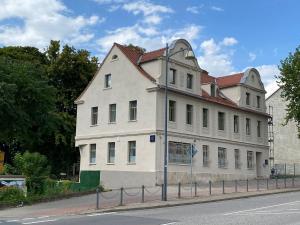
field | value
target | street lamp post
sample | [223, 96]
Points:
[189, 55]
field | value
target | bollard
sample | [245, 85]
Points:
[195, 189]
[247, 185]
[293, 182]
[267, 184]
[223, 186]
[257, 184]
[209, 187]
[276, 181]
[121, 195]
[179, 190]
[143, 193]
[285, 182]
[97, 195]
[235, 184]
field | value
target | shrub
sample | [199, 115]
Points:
[11, 195]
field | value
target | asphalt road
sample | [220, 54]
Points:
[278, 209]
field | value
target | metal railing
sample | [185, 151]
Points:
[122, 196]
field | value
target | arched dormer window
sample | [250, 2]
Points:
[114, 57]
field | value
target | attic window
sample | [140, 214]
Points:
[114, 57]
[213, 90]
[252, 78]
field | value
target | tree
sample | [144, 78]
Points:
[289, 81]
[27, 101]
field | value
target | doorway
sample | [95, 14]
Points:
[258, 164]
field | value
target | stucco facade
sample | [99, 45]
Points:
[140, 77]
[286, 139]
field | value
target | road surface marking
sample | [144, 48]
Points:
[40, 221]
[168, 223]
[11, 221]
[101, 214]
[266, 213]
[29, 218]
[265, 207]
[42, 217]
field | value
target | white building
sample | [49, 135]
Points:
[120, 120]
[286, 140]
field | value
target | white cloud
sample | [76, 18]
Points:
[216, 57]
[229, 41]
[268, 73]
[43, 20]
[150, 38]
[215, 8]
[193, 9]
[252, 56]
[150, 11]
[103, 2]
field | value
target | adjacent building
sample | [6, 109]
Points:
[284, 137]
[120, 120]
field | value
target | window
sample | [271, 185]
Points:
[237, 157]
[222, 157]
[132, 110]
[248, 128]
[205, 155]
[94, 116]
[258, 128]
[189, 81]
[250, 160]
[114, 57]
[93, 154]
[172, 111]
[235, 124]
[131, 151]
[258, 101]
[221, 120]
[205, 117]
[189, 114]
[111, 152]
[247, 98]
[107, 81]
[112, 113]
[179, 152]
[172, 76]
[213, 90]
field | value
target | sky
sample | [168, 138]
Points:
[227, 36]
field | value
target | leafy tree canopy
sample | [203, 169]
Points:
[289, 81]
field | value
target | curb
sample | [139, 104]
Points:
[219, 198]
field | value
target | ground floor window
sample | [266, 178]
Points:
[131, 151]
[179, 152]
[92, 153]
[205, 155]
[222, 157]
[111, 152]
[237, 158]
[250, 159]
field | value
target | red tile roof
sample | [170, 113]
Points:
[230, 80]
[218, 99]
[206, 79]
[148, 56]
[133, 56]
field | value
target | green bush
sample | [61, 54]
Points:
[11, 195]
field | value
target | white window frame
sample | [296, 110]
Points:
[93, 154]
[236, 121]
[172, 76]
[189, 114]
[258, 128]
[237, 158]
[248, 98]
[172, 111]
[205, 117]
[112, 117]
[94, 115]
[189, 81]
[133, 110]
[131, 150]
[111, 152]
[107, 81]
[222, 157]
[250, 159]
[205, 154]
[221, 121]
[178, 153]
[248, 126]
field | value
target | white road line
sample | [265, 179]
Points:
[29, 218]
[265, 207]
[168, 223]
[101, 214]
[11, 221]
[40, 221]
[266, 213]
[42, 217]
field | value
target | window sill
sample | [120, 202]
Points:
[110, 163]
[222, 167]
[132, 121]
[106, 88]
[131, 163]
[111, 122]
[91, 164]
[179, 164]
[94, 125]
